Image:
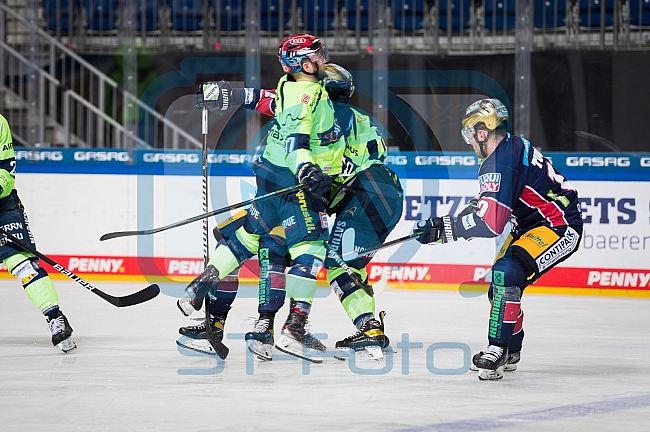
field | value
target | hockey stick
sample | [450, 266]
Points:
[372, 290]
[385, 245]
[117, 234]
[220, 349]
[132, 299]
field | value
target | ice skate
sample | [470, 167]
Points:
[190, 336]
[296, 340]
[368, 342]
[197, 290]
[217, 321]
[261, 338]
[491, 363]
[511, 364]
[61, 331]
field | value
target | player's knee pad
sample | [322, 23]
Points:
[242, 244]
[344, 286]
[509, 271]
[303, 271]
[306, 270]
[28, 272]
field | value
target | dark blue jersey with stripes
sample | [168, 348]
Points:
[518, 184]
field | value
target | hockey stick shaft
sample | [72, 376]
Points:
[386, 245]
[117, 234]
[216, 344]
[367, 288]
[139, 297]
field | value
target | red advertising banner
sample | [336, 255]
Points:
[467, 278]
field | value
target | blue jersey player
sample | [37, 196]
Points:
[519, 185]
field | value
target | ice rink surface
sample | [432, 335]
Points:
[584, 367]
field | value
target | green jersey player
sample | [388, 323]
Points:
[303, 147]
[23, 265]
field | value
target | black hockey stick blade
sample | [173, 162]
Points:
[132, 299]
[117, 234]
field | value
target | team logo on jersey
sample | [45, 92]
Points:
[305, 99]
[289, 223]
[490, 182]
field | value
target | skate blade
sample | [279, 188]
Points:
[195, 336]
[506, 368]
[263, 352]
[288, 345]
[343, 353]
[373, 353]
[198, 345]
[67, 345]
[490, 375]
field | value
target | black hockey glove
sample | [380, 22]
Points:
[310, 174]
[472, 207]
[437, 230]
[214, 96]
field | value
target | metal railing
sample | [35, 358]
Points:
[436, 26]
[25, 118]
[96, 107]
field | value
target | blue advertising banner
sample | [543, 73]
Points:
[425, 165]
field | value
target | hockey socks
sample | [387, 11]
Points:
[504, 312]
[272, 282]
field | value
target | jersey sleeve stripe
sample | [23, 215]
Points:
[548, 209]
[496, 216]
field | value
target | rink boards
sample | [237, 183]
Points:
[74, 196]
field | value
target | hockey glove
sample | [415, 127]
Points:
[310, 174]
[214, 96]
[472, 207]
[437, 230]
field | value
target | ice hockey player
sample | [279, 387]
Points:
[367, 209]
[517, 183]
[23, 265]
[303, 147]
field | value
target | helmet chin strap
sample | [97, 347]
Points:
[481, 144]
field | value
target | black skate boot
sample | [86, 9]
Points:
[262, 337]
[217, 321]
[511, 363]
[296, 340]
[491, 362]
[368, 340]
[197, 290]
[61, 331]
